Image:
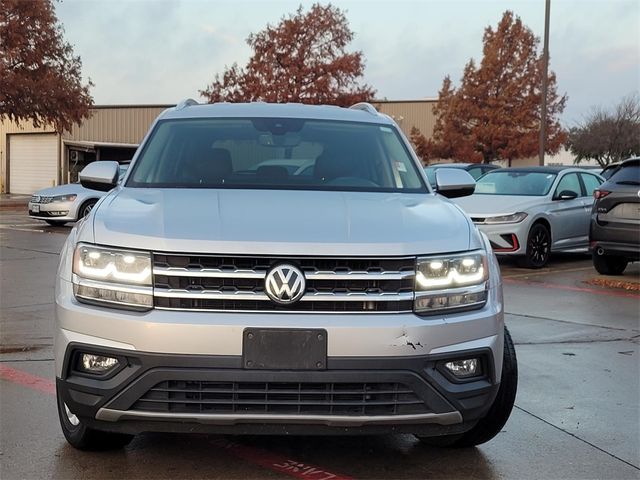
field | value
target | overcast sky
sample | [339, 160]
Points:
[161, 51]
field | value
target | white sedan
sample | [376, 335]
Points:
[65, 203]
[530, 212]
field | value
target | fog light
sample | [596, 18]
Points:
[97, 363]
[464, 368]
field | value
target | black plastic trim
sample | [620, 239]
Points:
[86, 394]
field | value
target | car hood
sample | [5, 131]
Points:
[277, 222]
[67, 189]
[493, 205]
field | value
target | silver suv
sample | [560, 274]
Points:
[216, 290]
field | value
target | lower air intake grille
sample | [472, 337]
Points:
[281, 398]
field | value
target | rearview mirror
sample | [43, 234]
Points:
[101, 176]
[566, 195]
[454, 182]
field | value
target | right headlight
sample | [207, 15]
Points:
[451, 282]
[112, 277]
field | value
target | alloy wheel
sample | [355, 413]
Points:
[539, 246]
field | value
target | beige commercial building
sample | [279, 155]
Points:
[34, 158]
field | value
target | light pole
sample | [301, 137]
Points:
[545, 69]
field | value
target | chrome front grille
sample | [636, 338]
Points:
[237, 283]
[40, 199]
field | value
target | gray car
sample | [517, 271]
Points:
[530, 212]
[205, 295]
[66, 203]
[615, 220]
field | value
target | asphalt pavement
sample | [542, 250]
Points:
[576, 414]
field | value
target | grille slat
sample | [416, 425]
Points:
[202, 282]
[177, 396]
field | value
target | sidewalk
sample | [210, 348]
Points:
[11, 202]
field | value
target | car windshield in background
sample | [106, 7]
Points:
[278, 153]
[431, 174]
[515, 183]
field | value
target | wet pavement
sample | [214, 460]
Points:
[576, 415]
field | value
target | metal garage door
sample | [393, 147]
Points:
[33, 162]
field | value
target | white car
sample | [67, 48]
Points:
[529, 212]
[66, 203]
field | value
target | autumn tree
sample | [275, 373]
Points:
[301, 59]
[608, 136]
[495, 112]
[40, 77]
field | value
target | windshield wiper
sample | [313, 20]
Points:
[628, 182]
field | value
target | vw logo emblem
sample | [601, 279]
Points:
[285, 284]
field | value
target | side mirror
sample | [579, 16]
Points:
[566, 195]
[454, 182]
[101, 176]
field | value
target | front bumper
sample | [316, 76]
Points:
[205, 348]
[58, 211]
[288, 402]
[507, 238]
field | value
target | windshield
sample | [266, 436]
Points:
[515, 183]
[278, 153]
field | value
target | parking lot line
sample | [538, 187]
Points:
[257, 456]
[555, 286]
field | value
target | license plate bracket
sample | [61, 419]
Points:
[284, 349]
[35, 208]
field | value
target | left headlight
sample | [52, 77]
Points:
[451, 282]
[112, 277]
[513, 218]
[64, 198]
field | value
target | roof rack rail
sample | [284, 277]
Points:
[366, 107]
[187, 102]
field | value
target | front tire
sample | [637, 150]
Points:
[497, 416]
[609, 264]
[538, 247]
[84, 438]
[86, 208]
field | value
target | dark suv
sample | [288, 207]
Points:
[615, 220]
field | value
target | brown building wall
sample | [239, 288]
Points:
[116, 124]
[125, 124]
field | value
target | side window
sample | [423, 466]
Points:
[571, 183]
[591, 182]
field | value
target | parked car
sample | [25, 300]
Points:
[615, 220]
[529, 212]
[353, 300]
[476, 170]
[66, 203]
